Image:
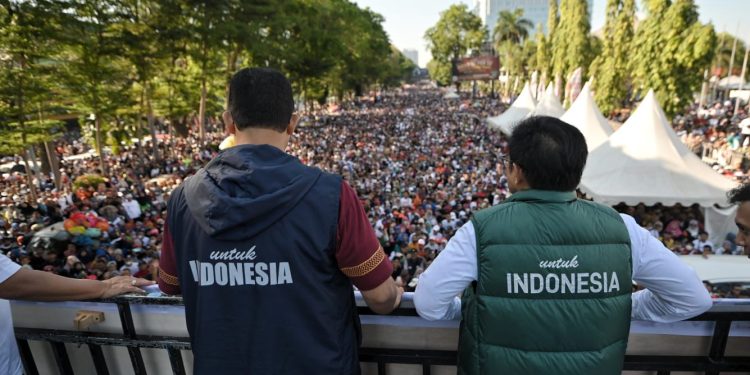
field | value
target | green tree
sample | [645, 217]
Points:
[366, 51]
[674, 50]
[723, 55]
[95, 72]
[140, 39]
[440, 72]
[541, 55]
[511, 27]
[27, 72]
[571, 46]
[553, 18]
[610, 69]
[205, 21]
[173, 84]
[398, 69]
[456, 32]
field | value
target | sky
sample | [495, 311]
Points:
[407, 20]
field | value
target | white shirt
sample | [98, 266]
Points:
[10, 361]
[674, 291]
[132, 208]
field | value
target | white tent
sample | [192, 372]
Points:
[549, 105]
[586, 116]
[518, 111]
[645, 162]
[451, 95]
[730, 83]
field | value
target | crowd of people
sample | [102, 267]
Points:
[130, 198]
[420, 164]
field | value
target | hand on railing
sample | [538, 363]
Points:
[124, 284]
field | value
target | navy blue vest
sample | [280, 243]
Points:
[254, 234]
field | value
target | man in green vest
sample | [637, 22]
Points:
[546, 277]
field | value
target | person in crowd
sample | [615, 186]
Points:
[741, 197]
[266, 248]
[541, 288]
[702, 242]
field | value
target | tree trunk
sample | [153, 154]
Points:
[54, 164]
[99, 146]
[152, 128]
[202, 114]
[29, 179]
[139, 128]
[44, 160]
[35, 164]
[146, 96]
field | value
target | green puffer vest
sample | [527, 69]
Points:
[553, 289]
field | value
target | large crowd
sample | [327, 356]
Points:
[421, 166]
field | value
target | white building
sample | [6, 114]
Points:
[412, 55]
[533, 10]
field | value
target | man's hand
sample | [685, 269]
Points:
[399, 294]
[124, 284]
[384, 298]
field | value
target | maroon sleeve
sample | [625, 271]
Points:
[359, 254]
[168, 281]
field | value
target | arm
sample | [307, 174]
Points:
[168, 281]
[21, 283]
[450, 273]
[673, 290]
[384, 298]
[27, 284]
[361, 258]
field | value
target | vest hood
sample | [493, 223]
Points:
[246, 189]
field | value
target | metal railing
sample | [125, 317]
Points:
[714, 362]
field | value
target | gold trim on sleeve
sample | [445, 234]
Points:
[167, 278]
[367, 266]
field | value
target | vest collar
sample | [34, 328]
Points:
[532, 195]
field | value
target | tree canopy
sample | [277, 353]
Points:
[457, 32]
[120, 64]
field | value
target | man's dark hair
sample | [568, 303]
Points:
[550, 152]
[260, 98]
[739, 194]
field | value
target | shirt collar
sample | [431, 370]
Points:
[532, 195]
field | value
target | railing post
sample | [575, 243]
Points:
[29, 365]
[128, 328]
[61, 358]
[718, 344]
[175, 360]
[100, 364]
[381, 367]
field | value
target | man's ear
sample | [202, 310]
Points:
[229, 126]
[292, 124]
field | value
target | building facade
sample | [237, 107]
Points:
[533, 10]
[412, 55]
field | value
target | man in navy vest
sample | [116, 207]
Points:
[265, 249]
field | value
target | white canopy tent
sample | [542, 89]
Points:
[586, 116]
[518, 111]
[645, 162]
[549, 105]
[731, 83]
[451, 95]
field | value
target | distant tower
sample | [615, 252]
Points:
[412, 55]
[533, 10]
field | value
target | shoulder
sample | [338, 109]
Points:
[489, 212]
[602, 209]
[629, 220]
